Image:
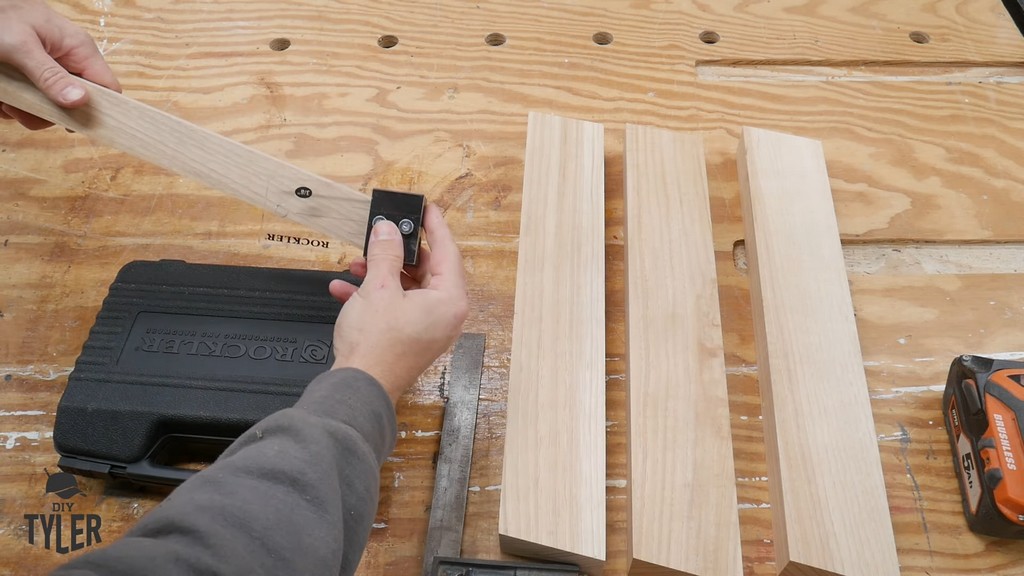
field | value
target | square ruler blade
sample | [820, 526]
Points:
[451, 483]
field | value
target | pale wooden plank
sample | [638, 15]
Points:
[553, 483]
[179, 146]
[829, 510]
[683, 497]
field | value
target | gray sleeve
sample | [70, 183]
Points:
[295, 494]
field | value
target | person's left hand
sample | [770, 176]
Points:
[401, 318]
[47, 48]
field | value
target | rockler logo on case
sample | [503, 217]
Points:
[215, 346]
[61, 532]
[311, 351]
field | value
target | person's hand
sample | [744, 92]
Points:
[398, 322]
[45, 46]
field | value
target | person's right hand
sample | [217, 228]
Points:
[395, 325]
[45, 46]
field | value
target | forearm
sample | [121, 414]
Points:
[296, 494]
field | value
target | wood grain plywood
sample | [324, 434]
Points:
[553, 480]
[915, 156]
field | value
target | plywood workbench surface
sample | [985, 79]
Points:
[919, 105]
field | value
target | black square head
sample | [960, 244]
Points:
[406, 211]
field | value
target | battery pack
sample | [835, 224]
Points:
[982, 404]
[183, 358]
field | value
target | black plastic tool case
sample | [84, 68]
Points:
[189, 355]
[1016, 9]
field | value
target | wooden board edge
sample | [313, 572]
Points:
[671, 154]
[788, 565]
[510, 529]
[589, 565]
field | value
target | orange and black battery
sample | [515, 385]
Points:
[983, 407]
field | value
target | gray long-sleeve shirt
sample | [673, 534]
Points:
[294, 495]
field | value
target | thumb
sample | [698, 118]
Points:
[385, 255]
[50, 77]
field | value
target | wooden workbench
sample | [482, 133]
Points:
[925, 148]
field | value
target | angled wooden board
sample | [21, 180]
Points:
[683, 517]
[179, 146]
[553, 481]
[829, 510]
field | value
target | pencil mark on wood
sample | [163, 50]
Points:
[904, 438]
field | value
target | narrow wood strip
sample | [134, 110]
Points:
[683, 497]
[829, 510]
[553, 484]
[120, 122]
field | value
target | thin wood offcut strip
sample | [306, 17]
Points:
[829, 510]
[120, 122]
[553, 482]
[683, 498]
